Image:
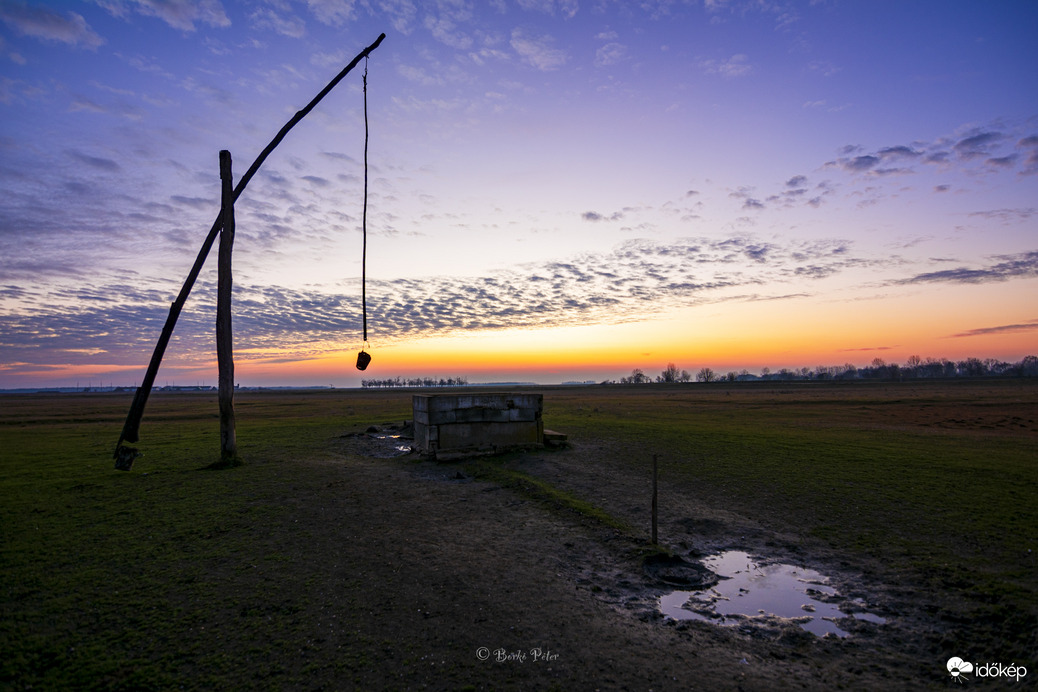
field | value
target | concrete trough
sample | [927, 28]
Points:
[455, 425]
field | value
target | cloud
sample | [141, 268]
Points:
[567, 8]
[200, 203]
[595, 216]
[48, 25]
[117, 321]
[1017, 266]
[1007, 161]
[402, 14]
[537, 51]
[97, 162]
[287, 25]
[867, 348]
[736, 66]
[984, 146]
[81, 103]
[1007, 215]
[610, 54]
[332, 12]
[1030, 146]
[418, 75]
[977, 145]
[1002, 329]
[899, 151]
[861, 163]
[179, 14]
[444, 29]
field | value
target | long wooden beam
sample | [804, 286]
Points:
[131, 429]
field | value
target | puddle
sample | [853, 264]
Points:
[749, 589]
[391, 445]
[383, 441]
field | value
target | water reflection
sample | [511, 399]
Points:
[752, 588]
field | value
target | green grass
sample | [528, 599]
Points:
[141, 580]
[952, 507]
[552, 497]
[116, 580]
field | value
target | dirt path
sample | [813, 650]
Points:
[454, 570]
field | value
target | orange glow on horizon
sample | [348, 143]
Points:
[946, 322]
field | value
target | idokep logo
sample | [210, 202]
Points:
[958, 668]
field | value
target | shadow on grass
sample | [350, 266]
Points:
[231, 462]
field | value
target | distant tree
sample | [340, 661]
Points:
[971, 367]
[637, 377]
[685, 376]
[706, 375]
[670, 373]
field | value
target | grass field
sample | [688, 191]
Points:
[174, 576]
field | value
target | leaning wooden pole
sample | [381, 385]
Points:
[224, 342]
[131, 428]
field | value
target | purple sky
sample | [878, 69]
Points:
[536, 166]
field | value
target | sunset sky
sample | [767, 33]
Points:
[559, 189]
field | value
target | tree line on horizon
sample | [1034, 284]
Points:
[414, 382]
[914, 368]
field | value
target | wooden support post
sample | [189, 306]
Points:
[654, 474]
[224, 342]
[124, 455]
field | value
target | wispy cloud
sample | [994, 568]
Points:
[595, 216]
[1006, 267]
[179, 14]
[1030, 325]
[538, 51]
[991, 148]
[566, 8]
[49, 25]
[119, 321]
[281, 22]
[736, 66]
[867, 348]
[610, 54]
[977, 145]
[333, 12]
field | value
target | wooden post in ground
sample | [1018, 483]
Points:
[224, 342]
[124, 455]
[654, 474]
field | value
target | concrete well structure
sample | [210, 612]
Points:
[447, 425]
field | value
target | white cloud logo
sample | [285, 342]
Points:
[957, 667]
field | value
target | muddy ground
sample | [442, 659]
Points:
[551, 598]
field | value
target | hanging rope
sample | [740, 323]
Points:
[363, 358]
[364, 216]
